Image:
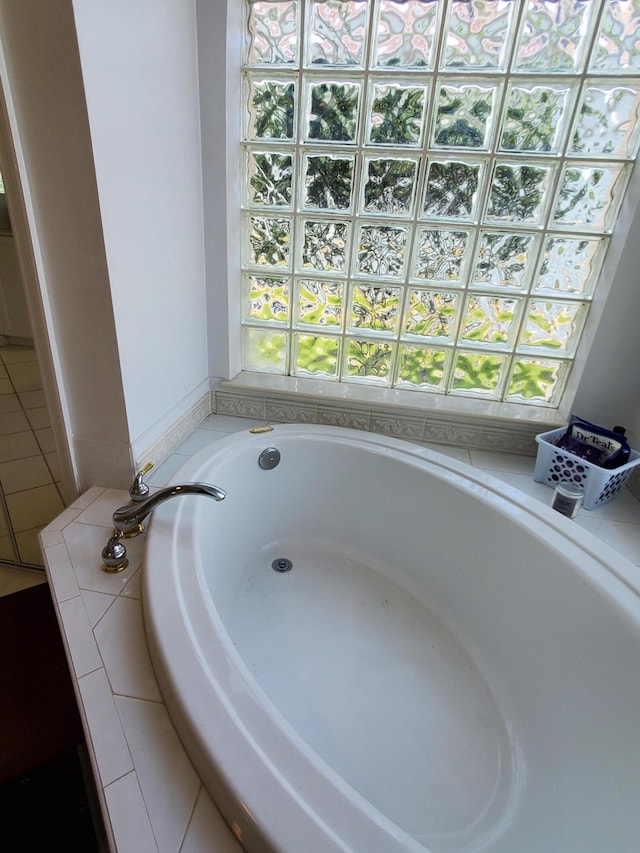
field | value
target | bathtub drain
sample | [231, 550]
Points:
[282, 565]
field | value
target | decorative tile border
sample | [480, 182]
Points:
[463, 430]
[176, 434]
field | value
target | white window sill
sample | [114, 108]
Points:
[460, 420]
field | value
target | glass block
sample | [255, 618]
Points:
[464, 114]
[337, 31]
[368, 360]
[555, 35]
[502, 260]
[589, 196]
[553, 326]
[269, 241]
[478, 374]
[422, 368]
[328, 181]
[325, 245]
[397, 114]
[317, 355]
[405, 33]
[536, 380]
[451, 189]
[489, 320]
[332, 111]
[267, 299]
[617, 44]
[389, 186]
[440, 254]
[518, 193]
[381, 250]
[271, 109]
[478, 33]
[431, 314]
[273, 32]
[375, 308]
[320, 303]
[570, 265]
[269, 179]
[264, 350]
[607, 124]
[534, 117]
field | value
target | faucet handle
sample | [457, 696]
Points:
[114, 555]
[139, 489]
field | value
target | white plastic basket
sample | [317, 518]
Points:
[599, 484]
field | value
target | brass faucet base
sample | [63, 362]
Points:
[113, 570]
[131, 534]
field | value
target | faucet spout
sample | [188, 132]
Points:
[128, 519]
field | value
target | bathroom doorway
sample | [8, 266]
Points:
[30, 481]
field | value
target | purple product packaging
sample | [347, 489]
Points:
[600, 446]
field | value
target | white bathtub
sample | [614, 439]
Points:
[448, 666]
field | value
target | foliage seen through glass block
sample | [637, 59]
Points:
[320, 302]
[271, 109]
[375, 308]
[389, 186]
[396, 115]
[422, 367]
[271, 178]
[317, 356]
[268, 299]
[333, 111]
[461, 274]
[325, 245]
[328, 182]
[405, 32]
[451, 189]
[273, 32]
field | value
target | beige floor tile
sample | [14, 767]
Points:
[54, 465]
[24, 474]
[6, 549]
[29, 547]
[13, 354]
[13, 422]
[4, 523]
[10, 403]
[45, 439]
[18, 445]
[38, 418]
[34, 507]
[6, 386]
[13, 580]
[32, 399]
[22, 368]
[26, 383]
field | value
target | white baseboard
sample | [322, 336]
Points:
[160, 441]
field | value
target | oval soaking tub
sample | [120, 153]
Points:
[372, 647]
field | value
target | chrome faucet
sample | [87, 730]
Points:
[127, 520]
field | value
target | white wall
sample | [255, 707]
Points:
[66, 274]
[139, 68]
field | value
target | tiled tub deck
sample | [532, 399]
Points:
[151, 797]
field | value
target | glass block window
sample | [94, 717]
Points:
[430, 186]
